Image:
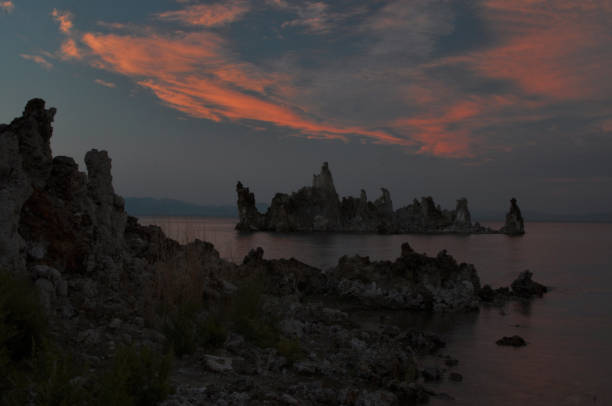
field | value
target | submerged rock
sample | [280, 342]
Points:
[525, 287]
[318, 208]
[513, 341]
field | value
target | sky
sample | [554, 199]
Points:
[487, 99]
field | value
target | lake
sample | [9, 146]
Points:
[568, 359]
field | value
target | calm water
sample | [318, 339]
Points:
[569, 357]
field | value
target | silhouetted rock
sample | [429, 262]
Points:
[521, 288]
[414, 281]
[525, 287]
[514, 341]
[25, 164]
[318, 208]
[514, 220]
[250, 218]
[462, 217]
[455, 376]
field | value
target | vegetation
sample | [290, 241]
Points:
[137, 376]
[248, 319]
[34, 370]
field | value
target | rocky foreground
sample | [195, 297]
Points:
[319, 208]
[259, 332]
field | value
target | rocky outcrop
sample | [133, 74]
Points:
[318, 208]
[522, 288]
[412, 282]
[514, 220]
[526, 288]
[250, 218]
[25, 165]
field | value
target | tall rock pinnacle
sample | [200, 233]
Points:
[514, 220]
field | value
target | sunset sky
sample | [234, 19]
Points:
[486, 99]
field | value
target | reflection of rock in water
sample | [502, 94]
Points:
[318, 208]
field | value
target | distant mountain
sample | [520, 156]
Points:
[148, 206]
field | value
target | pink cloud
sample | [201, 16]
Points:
[105, 83]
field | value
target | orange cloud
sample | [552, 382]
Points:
[7, 6]
[560, 50]
[191, 74]
[38, 59]
[553, 51]
[435, 132]
[69, 50]
[208, 15]
[64, 18]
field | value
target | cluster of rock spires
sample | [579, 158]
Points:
[318, 208]
[93, 266]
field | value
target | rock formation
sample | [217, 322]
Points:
[412, 282]
[514, 220]
[25, 164]
[318, 208]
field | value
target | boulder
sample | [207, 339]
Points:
[525, 287]
[513, 341]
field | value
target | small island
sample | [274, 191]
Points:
[319, 208]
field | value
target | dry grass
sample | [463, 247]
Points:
[177, 282]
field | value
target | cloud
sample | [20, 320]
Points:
[543, 61]
[408, 29]
[313, 16]
[69, 50]
[317, 17]
[388, 75]
[7, 6]
[64, 18]
[208, 15]
[190, 72]
[559, 50]
[105, 83]
[38, 59]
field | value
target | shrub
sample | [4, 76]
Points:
[181, 329]
[23, 326]
[32, 368]
[247, 316]
[177, 282]
[137, 376]
[290, 349]
[56, 380]
[212, 332]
